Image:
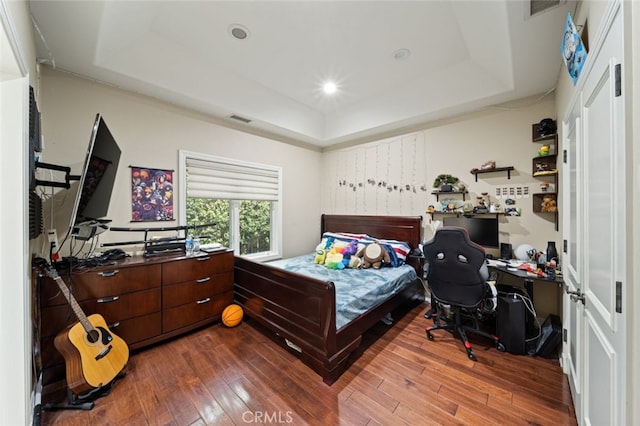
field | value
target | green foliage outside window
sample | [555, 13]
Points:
[205, 210]
[255, 222]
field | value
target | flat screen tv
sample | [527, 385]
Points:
[96, 181]
[482, 230]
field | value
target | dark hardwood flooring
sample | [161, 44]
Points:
[235, 376]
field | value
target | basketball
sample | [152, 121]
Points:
[232, 315]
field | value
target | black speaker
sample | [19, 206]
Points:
[510, 323]
[506, 251]
[35, 215]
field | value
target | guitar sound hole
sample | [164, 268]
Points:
[93, 336]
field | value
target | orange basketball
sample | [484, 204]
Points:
[232, 315]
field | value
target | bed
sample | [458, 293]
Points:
[300, 311]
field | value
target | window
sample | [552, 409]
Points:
[242, 199]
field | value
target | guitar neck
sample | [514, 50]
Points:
[66, 291]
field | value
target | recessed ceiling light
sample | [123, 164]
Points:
[329, 88]
[238, 32]
[401, 54]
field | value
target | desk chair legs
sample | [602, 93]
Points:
[455, 325]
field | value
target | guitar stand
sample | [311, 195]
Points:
[82, 402]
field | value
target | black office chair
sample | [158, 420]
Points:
[455, 279]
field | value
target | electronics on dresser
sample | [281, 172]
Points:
[114, 254]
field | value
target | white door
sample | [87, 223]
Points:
[596, 276]
[572, 261]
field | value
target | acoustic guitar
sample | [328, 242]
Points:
[93, 355]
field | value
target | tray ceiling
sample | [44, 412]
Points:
[396, 64]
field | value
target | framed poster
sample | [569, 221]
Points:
[151, 194]
[572, 50]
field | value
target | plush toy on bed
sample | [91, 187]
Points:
[320, 257]
[334, 259]
[373, 255]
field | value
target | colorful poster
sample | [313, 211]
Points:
[572, 50]
[151, 194]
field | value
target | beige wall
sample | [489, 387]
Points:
[150, 133]
[454, 147]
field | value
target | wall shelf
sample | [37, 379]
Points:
[438, 193]
[495, 169]
[545, 166]
[466, 214]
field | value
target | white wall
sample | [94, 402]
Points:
[17, 64]
[150, 133]
[454, 147]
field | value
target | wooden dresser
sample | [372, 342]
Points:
[143, 300]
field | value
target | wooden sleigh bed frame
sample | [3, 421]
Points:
[301, 310]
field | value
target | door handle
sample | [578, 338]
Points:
[576, 296]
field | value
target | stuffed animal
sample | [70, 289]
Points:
[334, 259]
[321, 255]
[548, 204]
[354, 262]
[373, 255]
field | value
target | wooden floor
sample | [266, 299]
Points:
[235, 376]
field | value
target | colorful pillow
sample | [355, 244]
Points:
[398, 251]
[328, 238]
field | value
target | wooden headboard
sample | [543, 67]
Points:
[401, 228]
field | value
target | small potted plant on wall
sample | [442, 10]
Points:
[445, 182]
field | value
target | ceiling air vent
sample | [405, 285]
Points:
[238, 118]
[535, 7]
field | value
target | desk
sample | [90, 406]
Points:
[527, 279]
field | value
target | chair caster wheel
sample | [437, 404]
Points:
[472, 356]
[429, 336]
[501, 347]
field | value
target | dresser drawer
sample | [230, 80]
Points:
[190, 291]
[131, 330]
[121, 307]
[137, 329]
[103, 283]
[112, 282]
[198, 267]
[193, 312]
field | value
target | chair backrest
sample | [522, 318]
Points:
[454, 263]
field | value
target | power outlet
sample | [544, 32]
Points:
[52, 236]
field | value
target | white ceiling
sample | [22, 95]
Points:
[465, 55]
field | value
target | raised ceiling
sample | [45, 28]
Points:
[463, 55]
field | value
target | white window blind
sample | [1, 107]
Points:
[219, 178]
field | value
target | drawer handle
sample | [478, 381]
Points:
[200, 302]
[108, 273]
[114, 325]
[203, 280]
[202, 259]
[108, 299]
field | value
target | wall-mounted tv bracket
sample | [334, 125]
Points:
[67, 176]
[158, 246]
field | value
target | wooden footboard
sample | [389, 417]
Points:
[302, 311]
[297, 308]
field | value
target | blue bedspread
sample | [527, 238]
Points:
[357, 290]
